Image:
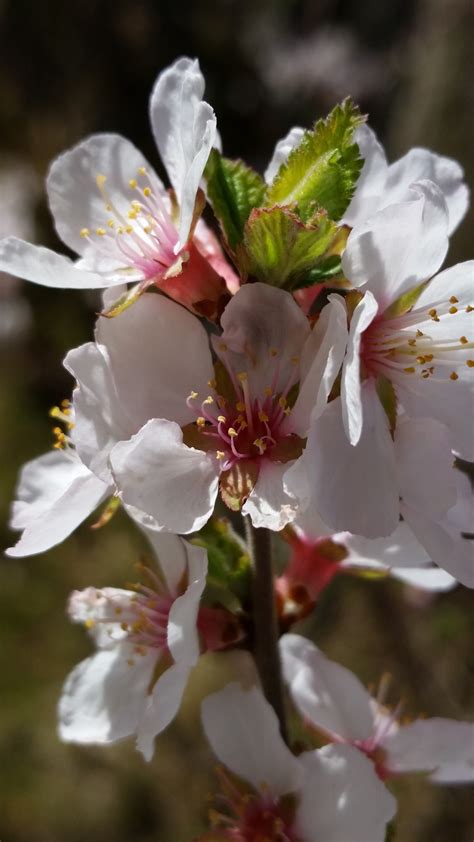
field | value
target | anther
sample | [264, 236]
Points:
[263, 416]
[453, 310]
[133, 183]
[85, 232]
[240, 407]
[432, 313]
[242, 376]
[111, 223]
[100, 232]
[220, 455]
[147, 191]
[463, 340]
[409, 370]
[222, 347]
[232, 432]
[208, 400]
[470, 363]
[222, 419]
[453, 376]
[412, 342]
[200, 421]
[273, 352]
[268, 391]
[192, 395]
[454, 300]
[469, 308]
[141, 171]
[419, 332]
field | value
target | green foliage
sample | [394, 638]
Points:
[234, 189]
[281, 249]
[323, 170]
[388, 399]
[229, 562]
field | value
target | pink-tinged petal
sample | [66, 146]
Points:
[157, 354]
[264, 332]
[45, 267]
[370, 186]
[328, 696]
[269, 505]
[74, 196]
[162, 706]
[198, 286]
[351, 488]
[56, 492]
[184, 127]
[161, 476]
[444, 544]
[210, 248]
[104, 697]
[352, 417]
[440, 746]
[100, 419]
[420, 164]
[321, 361]
[282, 150]
[183, 641]
[342, 797]
[243, 732]
[427, 478]
[399, 247]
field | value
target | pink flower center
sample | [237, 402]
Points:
[142, 234]
[149, 612]
[244, 425]
[253, 817]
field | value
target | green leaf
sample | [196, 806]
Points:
[281, 249]
[388, 399]
[228, 559]
[323, 170]
[233, 190]
[390, 833]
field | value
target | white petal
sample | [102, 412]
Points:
[282, 150]
[171, 553]
[157, 352]
[45, 267]
[183, 641]
[243, 732]
[157, 473]
[104, 696]
[419, 164]
[342, 798]
[162, 706]
[441, 746]
[399, 247]
[103, 611]
[327, 695]
[259, 321]
[425, 578]
[352, 417]
[321, 361]
[351, 488]
[457, 280]
[444, 544]
[370, 186]
[74, 197]
[56, 492]
[100, 419]
[184, 127]
[269, 505]
[427, 479]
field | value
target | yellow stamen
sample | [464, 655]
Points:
[453, 376]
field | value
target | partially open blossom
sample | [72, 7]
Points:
[111, 208]
[333, 701]
[168, 448]
[108, 696]
[317, 555]
[268, 793]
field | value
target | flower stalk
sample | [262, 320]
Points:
[265, 640]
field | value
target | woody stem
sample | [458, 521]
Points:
[265, 626]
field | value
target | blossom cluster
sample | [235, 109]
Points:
[311, 368]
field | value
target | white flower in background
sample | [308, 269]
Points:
[111, 208]
[333, 701]
[381, 184]
[107, 697]
[327, 794]
[154, 418]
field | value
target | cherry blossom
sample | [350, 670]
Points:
[334, 702]
[107, 696]
[327, 794]
[168, 448]
[111, 208]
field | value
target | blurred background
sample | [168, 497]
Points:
[69, 69]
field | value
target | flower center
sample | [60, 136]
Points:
[253, 817]
[243, 425]
[399, 345]
[141, 233]
[149, 611]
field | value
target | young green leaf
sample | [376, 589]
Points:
[233, 190]
[323, 170]
[281, 249]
